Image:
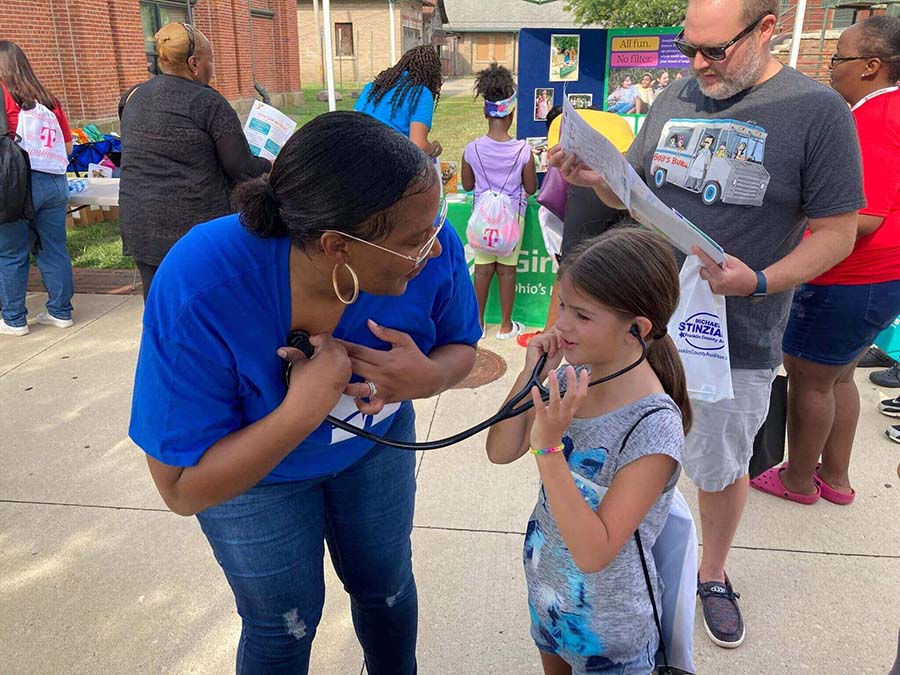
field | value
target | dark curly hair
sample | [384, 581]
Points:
[494, 83]
[419, 66]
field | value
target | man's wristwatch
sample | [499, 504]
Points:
[762, 286]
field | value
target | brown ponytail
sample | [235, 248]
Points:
[666, 363]
[633, 271]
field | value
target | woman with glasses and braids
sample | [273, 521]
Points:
[405, 95]
[183, 150]
[355, 254]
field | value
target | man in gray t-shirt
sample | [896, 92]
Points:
[753, 153]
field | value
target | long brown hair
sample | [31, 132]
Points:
[18, 77]
[632, 271]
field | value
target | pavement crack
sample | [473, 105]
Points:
[84, 506]
[871, 556]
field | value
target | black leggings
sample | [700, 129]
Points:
[146, 271]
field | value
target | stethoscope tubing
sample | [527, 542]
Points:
[300, 340]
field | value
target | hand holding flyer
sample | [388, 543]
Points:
[267, 130]
[598, 153]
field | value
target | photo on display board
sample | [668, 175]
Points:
[540, 151]
[581, 100]
[565, 51]
[640, 67]
[543, 102]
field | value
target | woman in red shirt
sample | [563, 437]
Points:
[835, 317]
[35, 116]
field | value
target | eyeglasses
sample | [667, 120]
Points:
[718, 52]
[424, 251]
[190, 33]
[835, 59]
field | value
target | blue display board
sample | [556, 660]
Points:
[553, 62]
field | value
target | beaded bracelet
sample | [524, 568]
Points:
[547, 451]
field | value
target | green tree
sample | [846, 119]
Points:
[562, 43]
[628, 13]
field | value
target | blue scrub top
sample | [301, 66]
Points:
[405, 115]
[220, 307]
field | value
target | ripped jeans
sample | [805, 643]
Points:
[270, 543]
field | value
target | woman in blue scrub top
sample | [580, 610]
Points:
[405, 95]
[343, 239]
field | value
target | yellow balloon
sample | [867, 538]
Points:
[615, 128]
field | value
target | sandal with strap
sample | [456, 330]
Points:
[769, 481]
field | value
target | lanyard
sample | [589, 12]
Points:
[886, 90]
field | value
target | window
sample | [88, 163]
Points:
[343, 39]
[482, 48]
[499, 48]
[155, 15]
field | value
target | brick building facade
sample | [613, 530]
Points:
[87, 52]
[361, 35]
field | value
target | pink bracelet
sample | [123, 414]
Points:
[547, 451]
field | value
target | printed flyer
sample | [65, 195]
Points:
[267, 130]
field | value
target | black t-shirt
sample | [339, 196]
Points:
[586, 217]
[183, 150]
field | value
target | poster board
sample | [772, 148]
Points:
[636, 57]
[555, 64]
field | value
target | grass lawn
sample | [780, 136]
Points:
[97, 246]
[457, 120]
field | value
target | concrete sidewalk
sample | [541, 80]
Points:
[97, 577]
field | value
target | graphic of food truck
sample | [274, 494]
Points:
[719, 159]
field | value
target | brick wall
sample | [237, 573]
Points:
[371, 37]
[87, 52]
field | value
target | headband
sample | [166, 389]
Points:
[502, 108]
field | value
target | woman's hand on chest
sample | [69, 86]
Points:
[317, 383]
[401, 373]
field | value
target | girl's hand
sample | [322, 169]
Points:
[317, 382]
[552, 419]
[543, 343]
[573, 170]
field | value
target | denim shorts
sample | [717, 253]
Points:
[833, 324]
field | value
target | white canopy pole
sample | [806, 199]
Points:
[393, 33]
[329, 53]
[799, 17]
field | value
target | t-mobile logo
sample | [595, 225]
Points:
[48, 136]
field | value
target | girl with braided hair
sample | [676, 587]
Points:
[405, 95]
[497, 162]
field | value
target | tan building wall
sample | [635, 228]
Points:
[368, 51]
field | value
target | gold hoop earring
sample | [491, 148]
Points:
[337, 288]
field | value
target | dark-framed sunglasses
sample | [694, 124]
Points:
[190, 33]
[718, 52]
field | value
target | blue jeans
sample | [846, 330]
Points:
[621, 107]
[50, 194]
[270, 544]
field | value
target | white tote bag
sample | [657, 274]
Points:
[700, 331]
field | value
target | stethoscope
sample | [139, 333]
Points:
[300, 340]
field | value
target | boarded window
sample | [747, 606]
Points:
[500, 48]
[343, 39]
[482, 48]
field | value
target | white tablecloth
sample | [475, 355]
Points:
[99, 192]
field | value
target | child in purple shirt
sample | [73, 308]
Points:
[498, 162]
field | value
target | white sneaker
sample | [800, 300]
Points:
[6, 329]
[50, 320]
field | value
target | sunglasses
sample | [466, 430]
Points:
[718, 52]
[190, 33]
[424, 252]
